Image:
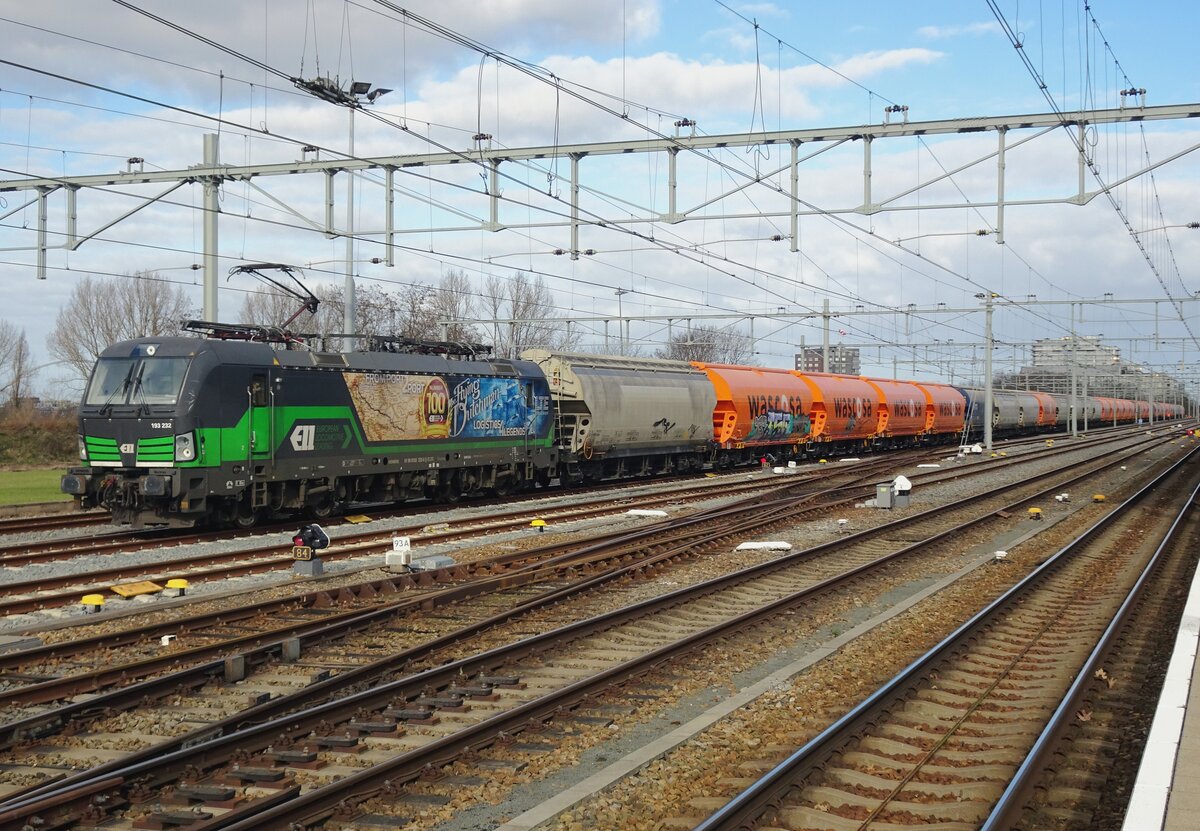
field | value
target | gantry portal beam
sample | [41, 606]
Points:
[615, 208]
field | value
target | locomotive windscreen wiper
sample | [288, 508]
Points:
[107, 406]
[137, 388]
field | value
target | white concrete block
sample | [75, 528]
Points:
[777, 545]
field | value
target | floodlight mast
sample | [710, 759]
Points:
[359, 92]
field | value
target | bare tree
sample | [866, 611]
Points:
[524, 303]
[15, 370]
[270, 308]
[377, 311]
[709, 345]
[102, 312]
[416, 313]
[453, 300]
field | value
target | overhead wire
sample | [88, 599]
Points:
[1087, 159]
[851, 226]
[281, 74]
[439, 30]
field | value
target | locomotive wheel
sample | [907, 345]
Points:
[504, 486]
[323, 509]
[450, 490]
[245, 517]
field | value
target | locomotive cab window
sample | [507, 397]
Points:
[110, 381]
[136, 381]
[258, 391]
[161, 379]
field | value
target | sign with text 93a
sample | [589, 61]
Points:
[302, 552]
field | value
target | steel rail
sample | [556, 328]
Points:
[544, 569]
[31, 801]
[741, 812]
[268, 558]
[1006, 811]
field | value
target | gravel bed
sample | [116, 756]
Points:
[156, 557]
[798, 709]
[691, 691]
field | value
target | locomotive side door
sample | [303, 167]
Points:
[261, 440]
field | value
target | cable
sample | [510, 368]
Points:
[1091, 165]
[848, 227]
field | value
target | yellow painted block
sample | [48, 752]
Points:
[357, 518]
[134, 589]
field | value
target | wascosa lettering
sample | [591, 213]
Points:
[907, 409]
[950, 409]
[765, 404]
[852, 407]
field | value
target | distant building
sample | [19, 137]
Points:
[843, 360]
[1088, 351]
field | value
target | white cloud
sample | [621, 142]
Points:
[1082, 249]
[872, 64]
[762, 9]
[938, 32]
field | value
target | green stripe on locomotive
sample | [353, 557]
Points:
[230, 445]
[101, 449]
[159, 450]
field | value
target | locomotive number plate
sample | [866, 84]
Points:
[302, 552]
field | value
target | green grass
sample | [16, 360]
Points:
[22, 486]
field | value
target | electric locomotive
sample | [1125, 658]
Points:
[233, 427]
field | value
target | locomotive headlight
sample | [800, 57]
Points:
[185, 448]
[82, 448]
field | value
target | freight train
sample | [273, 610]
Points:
[245, 422]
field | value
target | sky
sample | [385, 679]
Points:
[626, 70]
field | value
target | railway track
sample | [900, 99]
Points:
[687, 624]
[125, 542]
[49, 590]
[210, 634]
[56, 670]
[941, 742]
[51, 522]
[112, 539]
